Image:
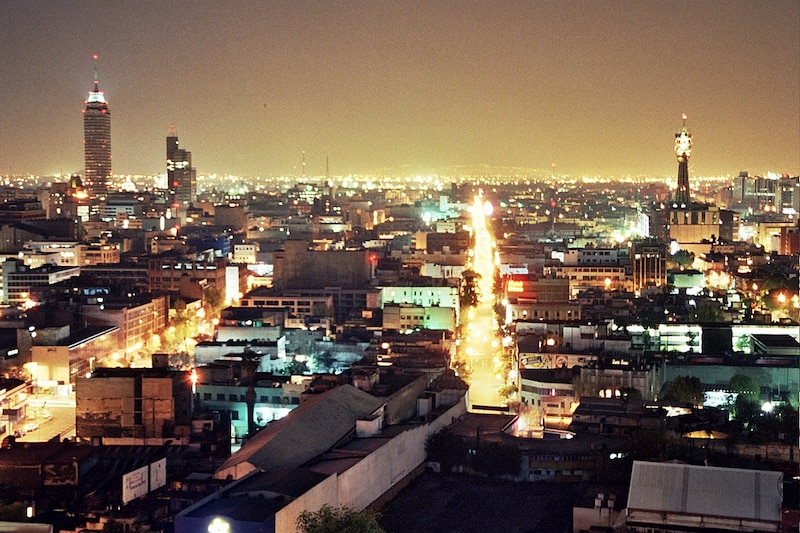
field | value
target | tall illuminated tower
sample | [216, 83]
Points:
[181, 175]
[97, 142]
[683, 150]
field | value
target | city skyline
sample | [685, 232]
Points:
[592, 88]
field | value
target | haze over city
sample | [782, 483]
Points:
[594, 88]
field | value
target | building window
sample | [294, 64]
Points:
[234, 415]
[220, 397]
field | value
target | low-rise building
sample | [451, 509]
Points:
[133, 405]
[14, 405]
[551, 392]
[67, 357]
[671, 497]
[614, 416]
[331, 450]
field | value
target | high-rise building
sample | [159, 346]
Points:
[181, 175]
[97, 142]
[683, 150]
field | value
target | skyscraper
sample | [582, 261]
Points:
[97, 142]
[683, 150]
[181, 176]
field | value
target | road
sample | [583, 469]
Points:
[480, 346]
[55, 416]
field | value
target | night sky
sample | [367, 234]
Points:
[596, 87]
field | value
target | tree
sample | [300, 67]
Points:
[682, 259]
[12, 512]
[324, 361]
[496, 459]
[296, 367]
[631, 393]
[507, 391]
[462, 369]
[743, 384]
[214, 299]
[446, 448]
[113, 526]
[747, 391]
[469, 288]
[250, 362]
[650, 445]
[685, 389]
[179, 326]
[708, 312]
[338, 520]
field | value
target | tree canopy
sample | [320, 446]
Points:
[447, 448]
[495, 459]
[338, 520]
[685, 389]
[682, 259]
[743, 384]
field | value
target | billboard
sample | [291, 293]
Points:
[134, 484]
[158, 474]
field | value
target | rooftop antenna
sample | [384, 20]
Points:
[303, 175]
[172, 132]
[327, 170]
[96, 80]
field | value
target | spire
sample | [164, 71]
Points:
[683, 151]
[96, 95]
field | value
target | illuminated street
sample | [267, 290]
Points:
[480, 347]
[53, 415]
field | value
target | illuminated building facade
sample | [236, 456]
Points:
[648, 266]
[298, 306]
[97, 143]
[771, 194]
[551, 392]
[189, 278]
[700, 224]
[586, 277]
[403, 317]
[18, 279]
[423, 297]
[137, 320]
[528, 296]
[181, 176]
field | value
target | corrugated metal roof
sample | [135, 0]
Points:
[310, 429]
[706, 490]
